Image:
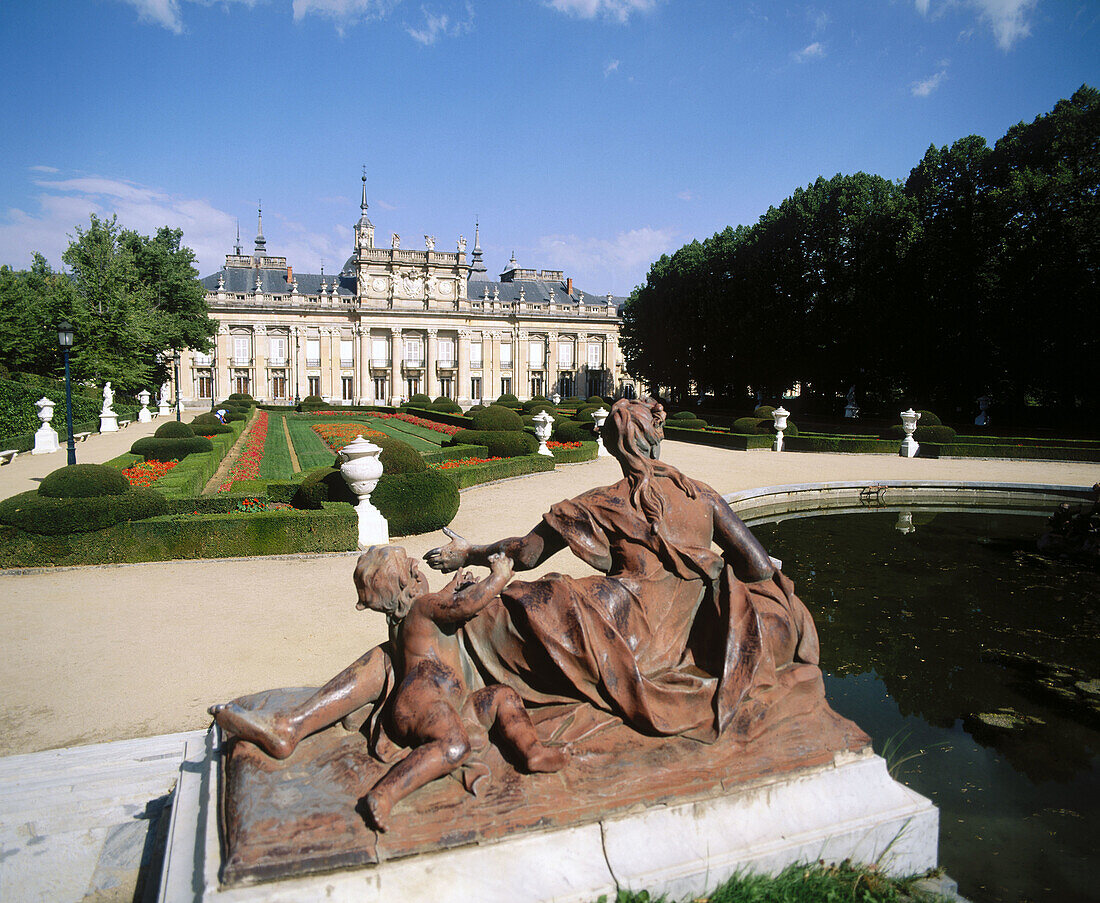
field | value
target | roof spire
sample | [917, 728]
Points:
[261, 242]
[477, 266]
[364, 219]
[237, 246]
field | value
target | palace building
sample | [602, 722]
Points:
[396, 321]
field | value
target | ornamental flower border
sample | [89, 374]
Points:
[145, 473]
[247, 465]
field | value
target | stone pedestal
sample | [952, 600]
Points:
[144, 414]
[108, 422]
[45, 437]
[847, 807]
[361, 469]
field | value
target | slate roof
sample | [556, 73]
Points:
[242, 280]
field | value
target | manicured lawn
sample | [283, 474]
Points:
[276, 464]
[308, 446]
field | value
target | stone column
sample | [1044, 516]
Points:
[462, 390]
[396, 351]
[364, 387]
[521, 364]
[431, 360]
[224, 362]
[551, 364]
[259, 356]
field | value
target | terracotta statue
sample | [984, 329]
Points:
[671, 638]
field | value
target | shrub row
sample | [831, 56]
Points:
[35, 514]
[741, 442]
[455, 453]
[1022, 452]
[475, 474]
[500, 444]
[587, 452]
[816, 442]
[190, 476]
[334, 527]
[19, 413]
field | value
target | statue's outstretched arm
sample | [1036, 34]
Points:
[525, 552]
[742, 550]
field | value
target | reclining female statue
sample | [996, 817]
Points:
[670, 637]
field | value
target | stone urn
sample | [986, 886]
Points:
[779, 418]
[361, 470]
[544, 426]
[909, 445]
[144, 414]
[905, 522]
[45, 437]
[599, 416]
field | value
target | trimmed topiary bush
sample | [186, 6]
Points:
[764, 412]
[539, 408]
[420, 400]
[242, 398]
[497, 417]
[571, 431]
[314, 403]
[446, 405]
[500, 443]
[398, 456]
[476, 407]
[82, 481]
[509, 401]
[749, 426]
[530, 404]
[597, 401]
[687, 423]
[174, 429]
[933, 432]
[152, 448]
[46, 515]
[211, 429]
[415, 503]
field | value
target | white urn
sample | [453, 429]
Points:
[779, 418]
[909, 445]
[544, 426]
[361, 469]
[599, 416]
[45, 409]
[45, 437]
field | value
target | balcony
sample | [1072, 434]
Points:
[347, 363]
[445, 364]
[241, 361]
[276, 361]
[380, 363]
[313, 362]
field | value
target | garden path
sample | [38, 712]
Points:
[290, 447]
[230, 459]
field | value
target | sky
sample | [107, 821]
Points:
[589, 136]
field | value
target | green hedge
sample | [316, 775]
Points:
[174, 429]
[334, 527]
[741, 442]
[496, 417]
[499, 444]
[40, 515]
[1021, 452]
[571, 431]
[190, 476]
[78, 481]
[455, 453]
[19, 413]
[475, 474]
[587, 452]
[816, 442]
[153, 449]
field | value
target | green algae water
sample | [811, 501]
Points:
[946, 636]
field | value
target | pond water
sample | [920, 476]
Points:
[946, 635]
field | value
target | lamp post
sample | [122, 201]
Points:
[176, 362]
[65, 342]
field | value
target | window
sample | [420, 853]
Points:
[240, 382]
[379, 351]
[447, 386]
[475, 357]
[566, 385]
[595, 355]
[412, 386]
[241, 352]
[475, 388]
[278, 384]
[314, 385]
[313, 354]
[506, 385]
[565, 355]
[536, 384]
[202, 360]
[347, 353]
[206, 384]
[277, 350]
[447, 354]
[346, 388]
[414, 351]
[380, 388]
[506, 355]
[536, 354]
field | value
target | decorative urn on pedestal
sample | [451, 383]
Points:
[361, 470]
[599, 417]
[544, 425]
[909, 445]
[144, 414]
[779, 417]
[45, 437]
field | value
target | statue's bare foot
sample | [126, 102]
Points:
[272, 733]
[379, 811]
[547, 758]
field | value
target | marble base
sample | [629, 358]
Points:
[144, 415]
[848, 808]
[45, 440]
[108, 422]
[374, 529]
[909, 447]
[164, 409]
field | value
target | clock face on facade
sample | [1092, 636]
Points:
[445, 288]
[379, 284]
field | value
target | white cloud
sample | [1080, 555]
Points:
[814, 51]
[600, 265]
[926, 86]
[437, 25]
[609, 67]
[619, 10]
[167, 13]
[685, 195]
[1007, 19]
[64, 204]
[344, 12]
[46, 169]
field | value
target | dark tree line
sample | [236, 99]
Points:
[978, 275]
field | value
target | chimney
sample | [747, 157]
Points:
[289, 275]
[569, 286]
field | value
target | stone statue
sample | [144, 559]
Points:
[165, 394]
[670, 652]
[396, 241]
[429, 242]
[108, 397]
[462, 244]
[983, 418]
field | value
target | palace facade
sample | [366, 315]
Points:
[396, 321]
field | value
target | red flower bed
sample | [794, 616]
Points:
[553, 444]
[462, 462]
[247, 466]
[418, 421]
[337, 435]
[146, 474]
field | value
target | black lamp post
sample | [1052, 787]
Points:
[176, 362]
[65, 342]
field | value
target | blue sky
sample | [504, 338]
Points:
[586, 135]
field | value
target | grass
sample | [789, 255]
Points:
[308, 446]
[818, 883]
[276, 464]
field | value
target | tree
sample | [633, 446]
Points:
[32, 303]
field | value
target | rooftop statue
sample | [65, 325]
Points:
[669, 639]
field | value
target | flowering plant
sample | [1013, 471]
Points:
[144, 475]
[444, 428]
[250, 506]
[553, 444]
[247, 465]
[337, 435]
[462, 462]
